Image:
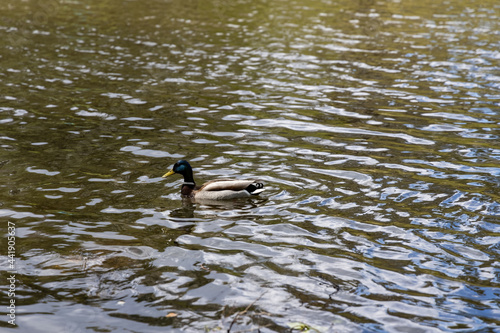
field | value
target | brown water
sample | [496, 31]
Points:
[375, 125]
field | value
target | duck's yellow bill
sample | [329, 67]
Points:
[171, 172]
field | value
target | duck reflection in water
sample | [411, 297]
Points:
[189, 205]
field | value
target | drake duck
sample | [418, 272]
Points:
[218, 189]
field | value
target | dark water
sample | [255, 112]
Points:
[374, 123]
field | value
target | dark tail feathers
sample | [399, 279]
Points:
[255, 188]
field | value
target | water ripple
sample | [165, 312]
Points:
[302, 126]
[375, 129]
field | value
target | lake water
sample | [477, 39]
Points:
[375, 125]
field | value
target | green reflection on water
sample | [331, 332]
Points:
[100, 98]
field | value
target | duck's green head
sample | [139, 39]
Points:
[181, 167]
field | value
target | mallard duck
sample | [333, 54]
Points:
[218, 189]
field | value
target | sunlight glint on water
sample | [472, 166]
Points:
[374, 125]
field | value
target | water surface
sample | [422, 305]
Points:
[374, 124]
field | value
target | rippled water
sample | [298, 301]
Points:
[375, 125]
